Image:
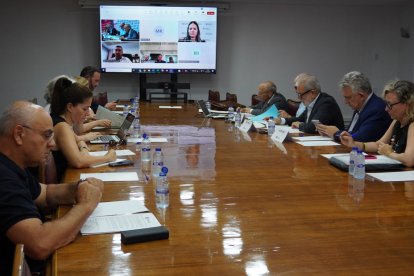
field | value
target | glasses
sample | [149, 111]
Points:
[390, 105]
[47, 134]
[300, 95]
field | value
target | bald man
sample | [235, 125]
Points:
[26, 137]
[268, 96]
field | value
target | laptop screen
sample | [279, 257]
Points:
[203, 107]
[125, 126]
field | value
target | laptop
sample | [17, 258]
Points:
[116, 119]
[120, 135]
[208, 114]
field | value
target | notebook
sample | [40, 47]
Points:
[209, 114]
[120, 135]
[103, 113]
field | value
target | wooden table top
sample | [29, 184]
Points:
[239, 205]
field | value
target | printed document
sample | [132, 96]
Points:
[115, 176]
[118, 153]
[393, 176]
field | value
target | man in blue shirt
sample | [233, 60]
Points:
[370, 120]
[26, 137]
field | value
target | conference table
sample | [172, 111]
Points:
[242, 205]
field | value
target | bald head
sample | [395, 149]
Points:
[20, 113]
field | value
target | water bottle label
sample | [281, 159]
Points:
[163, 191]
[146, 149]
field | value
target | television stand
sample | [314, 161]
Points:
[172, 96]
[169, 89]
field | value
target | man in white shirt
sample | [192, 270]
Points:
[119, 51]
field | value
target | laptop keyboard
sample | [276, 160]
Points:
[107, 138]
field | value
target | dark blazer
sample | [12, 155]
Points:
[326, 110]
[277, 99]
[132, 34]
[372, 123]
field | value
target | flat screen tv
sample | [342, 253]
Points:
[154, 39]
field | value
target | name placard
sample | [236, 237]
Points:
[280, 134]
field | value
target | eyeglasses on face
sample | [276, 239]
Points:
[47, 134]
[300, 95]
[390, 105]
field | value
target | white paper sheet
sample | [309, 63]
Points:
[116, 176]
[318, 143]
[112, 224]
[118, 153]
[379, 159]
[170, 107]
[393, 176]
[118, 208]
[152, 139]
[119, 112]
[312, 138]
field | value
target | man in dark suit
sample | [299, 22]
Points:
[268, 96]
[370, 120]
[319, 106]
[130, 34]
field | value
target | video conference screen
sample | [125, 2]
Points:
[151, 39]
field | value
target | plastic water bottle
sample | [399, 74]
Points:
[135, 102]
[138, 147]
[208, 105]
[230, 114]
[157, 162]
[145, 148]
[136, 128]
[162, 190]
[359, 171]
[270, 126]
[237, 118]
[352, 157]
[125, 110]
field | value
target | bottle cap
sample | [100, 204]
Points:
[271, 118]
[144, 135]
[164, 170]
[157, 149]
[138, 143]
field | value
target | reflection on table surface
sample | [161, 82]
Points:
[241, 205]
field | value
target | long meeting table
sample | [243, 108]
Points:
[241, 205]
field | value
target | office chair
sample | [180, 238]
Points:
[292, 106]
[20, 266]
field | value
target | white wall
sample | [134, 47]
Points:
[257, 42]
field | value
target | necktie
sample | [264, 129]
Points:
[354, 121]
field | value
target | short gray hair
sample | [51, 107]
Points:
[357, 81]
[308, 81]
[50, 86]
[19, 113]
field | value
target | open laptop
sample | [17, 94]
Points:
[116, 119]
[208, 114]
[120, 135]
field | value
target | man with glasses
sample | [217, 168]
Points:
[26, 137]
[320, 107]
[268, 96]
[370, 120]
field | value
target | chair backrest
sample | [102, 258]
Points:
[292, 106]
[100, 99]
[47, 172]
[20, 266]
[213, 96]
[255, 100]
[231, 97]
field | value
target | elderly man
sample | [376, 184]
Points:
[370, 120]
[26, 137]
[268, 96]
[320, 107]
[130, 34]
[94, 77]
[119, 51]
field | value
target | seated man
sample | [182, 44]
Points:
[370, 120]
[26, 137]
[319, 106]
[94, 77]
[130, 34]
[119, 51]
[268, 96]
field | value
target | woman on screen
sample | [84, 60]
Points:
[398, 142]
[193, 33]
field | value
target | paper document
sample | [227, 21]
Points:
[106, 163]
[330, 155]
[318, 143]
[272, 111]
[393, 176]
[118, 153]
[312, 138]
[116, 176]
[119, 112]
[152, 139]
[118, 208]
[170, 107]
[113, 224]
[379, 159]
